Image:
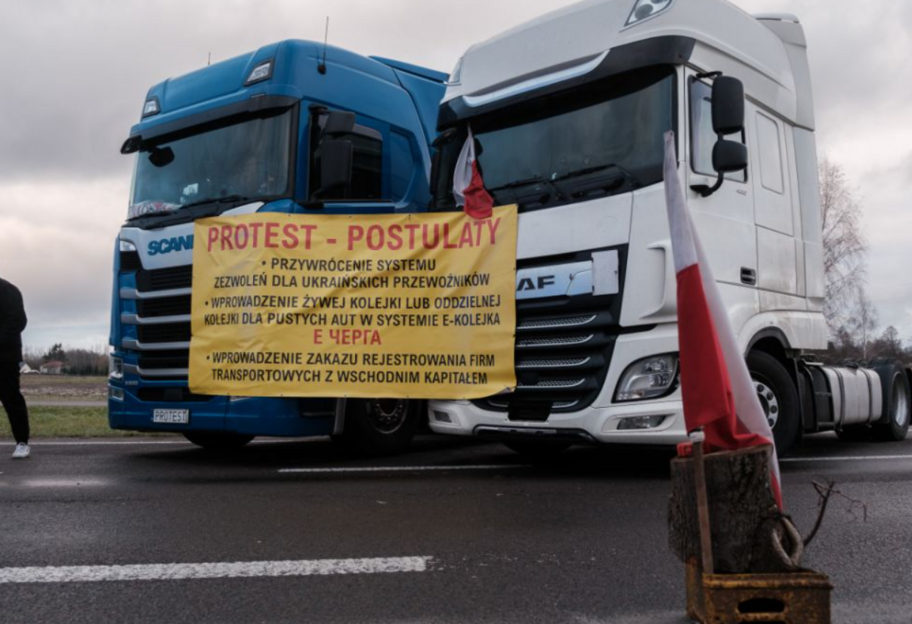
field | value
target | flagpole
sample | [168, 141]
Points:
[696, 438]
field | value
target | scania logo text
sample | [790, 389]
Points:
[168, 245]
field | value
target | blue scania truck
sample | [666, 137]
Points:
[294, 127]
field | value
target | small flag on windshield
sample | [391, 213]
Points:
[468, 186]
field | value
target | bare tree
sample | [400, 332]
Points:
[864, 321]
[844, 244]
[889, 344]
[842, 346]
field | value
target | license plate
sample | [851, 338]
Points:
[171, 416]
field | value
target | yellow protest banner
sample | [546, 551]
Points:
[410, 305]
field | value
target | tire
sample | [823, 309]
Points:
[377, 427]
[897, 403]
[779, 399]
[537, 450]
[213, 441]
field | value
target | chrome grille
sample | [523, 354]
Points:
[562, 341]
[575, 321]
[561, 384]
[561, 362]
[565, 406]
[162, 345]
[151, 280]
[553, 362]
[563, 349]
[164, 306]
[168, 332]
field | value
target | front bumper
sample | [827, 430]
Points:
[592, 425]
[253, 416]
[597, 423]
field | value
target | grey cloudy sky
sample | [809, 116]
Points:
[77, 73]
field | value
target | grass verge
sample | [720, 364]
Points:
[69, 422]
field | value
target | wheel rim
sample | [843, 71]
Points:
[900, 402]
[769, 401]
[387, 415]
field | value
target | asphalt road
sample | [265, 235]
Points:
[451, 532]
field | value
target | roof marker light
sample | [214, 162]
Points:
[261, 72]
[647, 8]
[151, 107]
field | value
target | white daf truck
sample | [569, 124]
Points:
[568, 112]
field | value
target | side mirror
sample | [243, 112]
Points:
[727, 105]
[336, 158]
[729, 156]
[339, 122]
[131, 145]
[727, 118]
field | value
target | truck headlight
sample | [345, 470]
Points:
[649, 378]
[115, 367]
[646, 8]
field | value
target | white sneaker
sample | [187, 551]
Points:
[22, 451]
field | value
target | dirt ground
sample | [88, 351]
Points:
[64, 388]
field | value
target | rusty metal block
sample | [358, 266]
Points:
[790, 598]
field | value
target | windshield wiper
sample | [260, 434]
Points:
[187, 212]
[527, 182]
[216, 200]
[587, 170]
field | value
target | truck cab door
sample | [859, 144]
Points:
[725, 219]
[777, 245]
[381, 164]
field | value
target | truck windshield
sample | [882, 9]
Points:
[597, 140]
[248, 160]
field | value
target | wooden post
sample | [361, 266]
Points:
[706, 556]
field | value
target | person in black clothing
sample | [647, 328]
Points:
[12, 322]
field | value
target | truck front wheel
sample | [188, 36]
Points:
[896, 402]
[778, 397]
[378, 427]
[215, 441]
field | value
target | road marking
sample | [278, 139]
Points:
[101, 443]
[181, 571]
[846, 458]
[63, 483]
[402, 468]
[147, 442]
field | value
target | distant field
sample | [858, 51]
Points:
[67, 422]
[64, 388]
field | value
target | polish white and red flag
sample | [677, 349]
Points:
[468, 187]
[717, 390]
